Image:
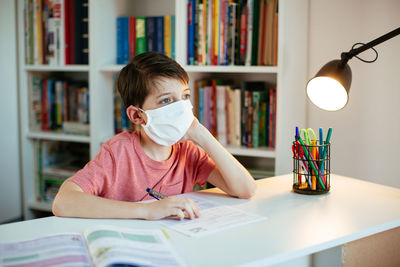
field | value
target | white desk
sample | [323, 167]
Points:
[297, 225]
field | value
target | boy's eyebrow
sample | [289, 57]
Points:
[167, 93]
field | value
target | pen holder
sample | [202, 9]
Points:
[311, 168]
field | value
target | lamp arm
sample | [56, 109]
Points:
[346, 56]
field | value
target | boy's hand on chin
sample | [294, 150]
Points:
[178, 207]
[194, 132]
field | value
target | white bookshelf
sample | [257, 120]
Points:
[289, 76]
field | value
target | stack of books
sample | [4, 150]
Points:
[232, 32]
[56, 162]
[56, 32]
[242, 115]
[59, 105]
[136, 35]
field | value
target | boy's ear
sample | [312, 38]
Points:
[135, 115]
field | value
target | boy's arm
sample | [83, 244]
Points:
[229, 175]
[72, 201]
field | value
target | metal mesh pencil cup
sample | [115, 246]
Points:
[311, 168]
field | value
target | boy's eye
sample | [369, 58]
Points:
[186, 96]
[166, 100]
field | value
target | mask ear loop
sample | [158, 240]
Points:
[147, 116]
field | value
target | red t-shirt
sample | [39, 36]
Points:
[122, 170]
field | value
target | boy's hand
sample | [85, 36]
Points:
[181, 207]
[195, 132]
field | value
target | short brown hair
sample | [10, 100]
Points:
[136, 78]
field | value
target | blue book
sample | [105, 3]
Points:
[201, 105]
[173, 37]
[122, 40]
[191, 33]
[159, 34]
[50, 104]
[150, 34]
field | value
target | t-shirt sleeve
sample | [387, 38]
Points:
[97, 174]
[201, 163]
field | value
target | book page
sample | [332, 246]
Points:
[138, 247]
[60, 249]
[214, 218]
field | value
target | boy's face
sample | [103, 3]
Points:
[166, 91]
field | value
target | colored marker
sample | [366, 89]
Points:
[321, 141]
[327, 140]
[155, 194]
[312, 161]
[297, 133]
[302, 159]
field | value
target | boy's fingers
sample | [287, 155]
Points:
[178, 213]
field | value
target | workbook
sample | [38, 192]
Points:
[97, 246]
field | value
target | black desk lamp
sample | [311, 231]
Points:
[329, 89]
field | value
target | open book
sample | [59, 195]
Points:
[98, 246]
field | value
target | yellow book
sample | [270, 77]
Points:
[167, 36]
[38, 33]
[216, 22]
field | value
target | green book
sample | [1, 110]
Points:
[140, 35]
[259, 98]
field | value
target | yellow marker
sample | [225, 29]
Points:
[165, 233]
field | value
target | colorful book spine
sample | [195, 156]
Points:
[191, 31]
[140, 35]
[159, 34]
[167, 36]
[221, 114]
[132, 37]
[173, 37]
[150, 34]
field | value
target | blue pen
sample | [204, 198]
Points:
[321, 142]
[297, 133]
[155, 194]
[327, 140]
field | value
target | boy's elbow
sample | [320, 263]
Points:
[56, 209]
[59, 208]
[249, 192]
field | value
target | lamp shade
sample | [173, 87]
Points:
[329, 89]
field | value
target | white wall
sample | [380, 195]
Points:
[366, 133]
[10, 193]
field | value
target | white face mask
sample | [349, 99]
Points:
[168, 124]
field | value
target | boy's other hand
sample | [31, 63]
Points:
[195, 132]
[180, 207]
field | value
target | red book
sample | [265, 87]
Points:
[45, 114]
[71, 11]
[243, 36]
[132, 37]
[67, 22]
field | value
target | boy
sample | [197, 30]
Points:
[162, 155]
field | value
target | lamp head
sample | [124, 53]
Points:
[329, 89]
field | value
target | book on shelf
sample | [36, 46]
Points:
[98, 245]
[55, 162]
[241, 32]
[136, 35]
[121, 120]
[242, 115]
[53, 102]
[56, 32]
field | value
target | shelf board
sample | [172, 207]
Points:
[111, 68]
[41, 206]
[71, 68]
[232, 69]
[210, 69]
[59, 137]
[252, 152]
